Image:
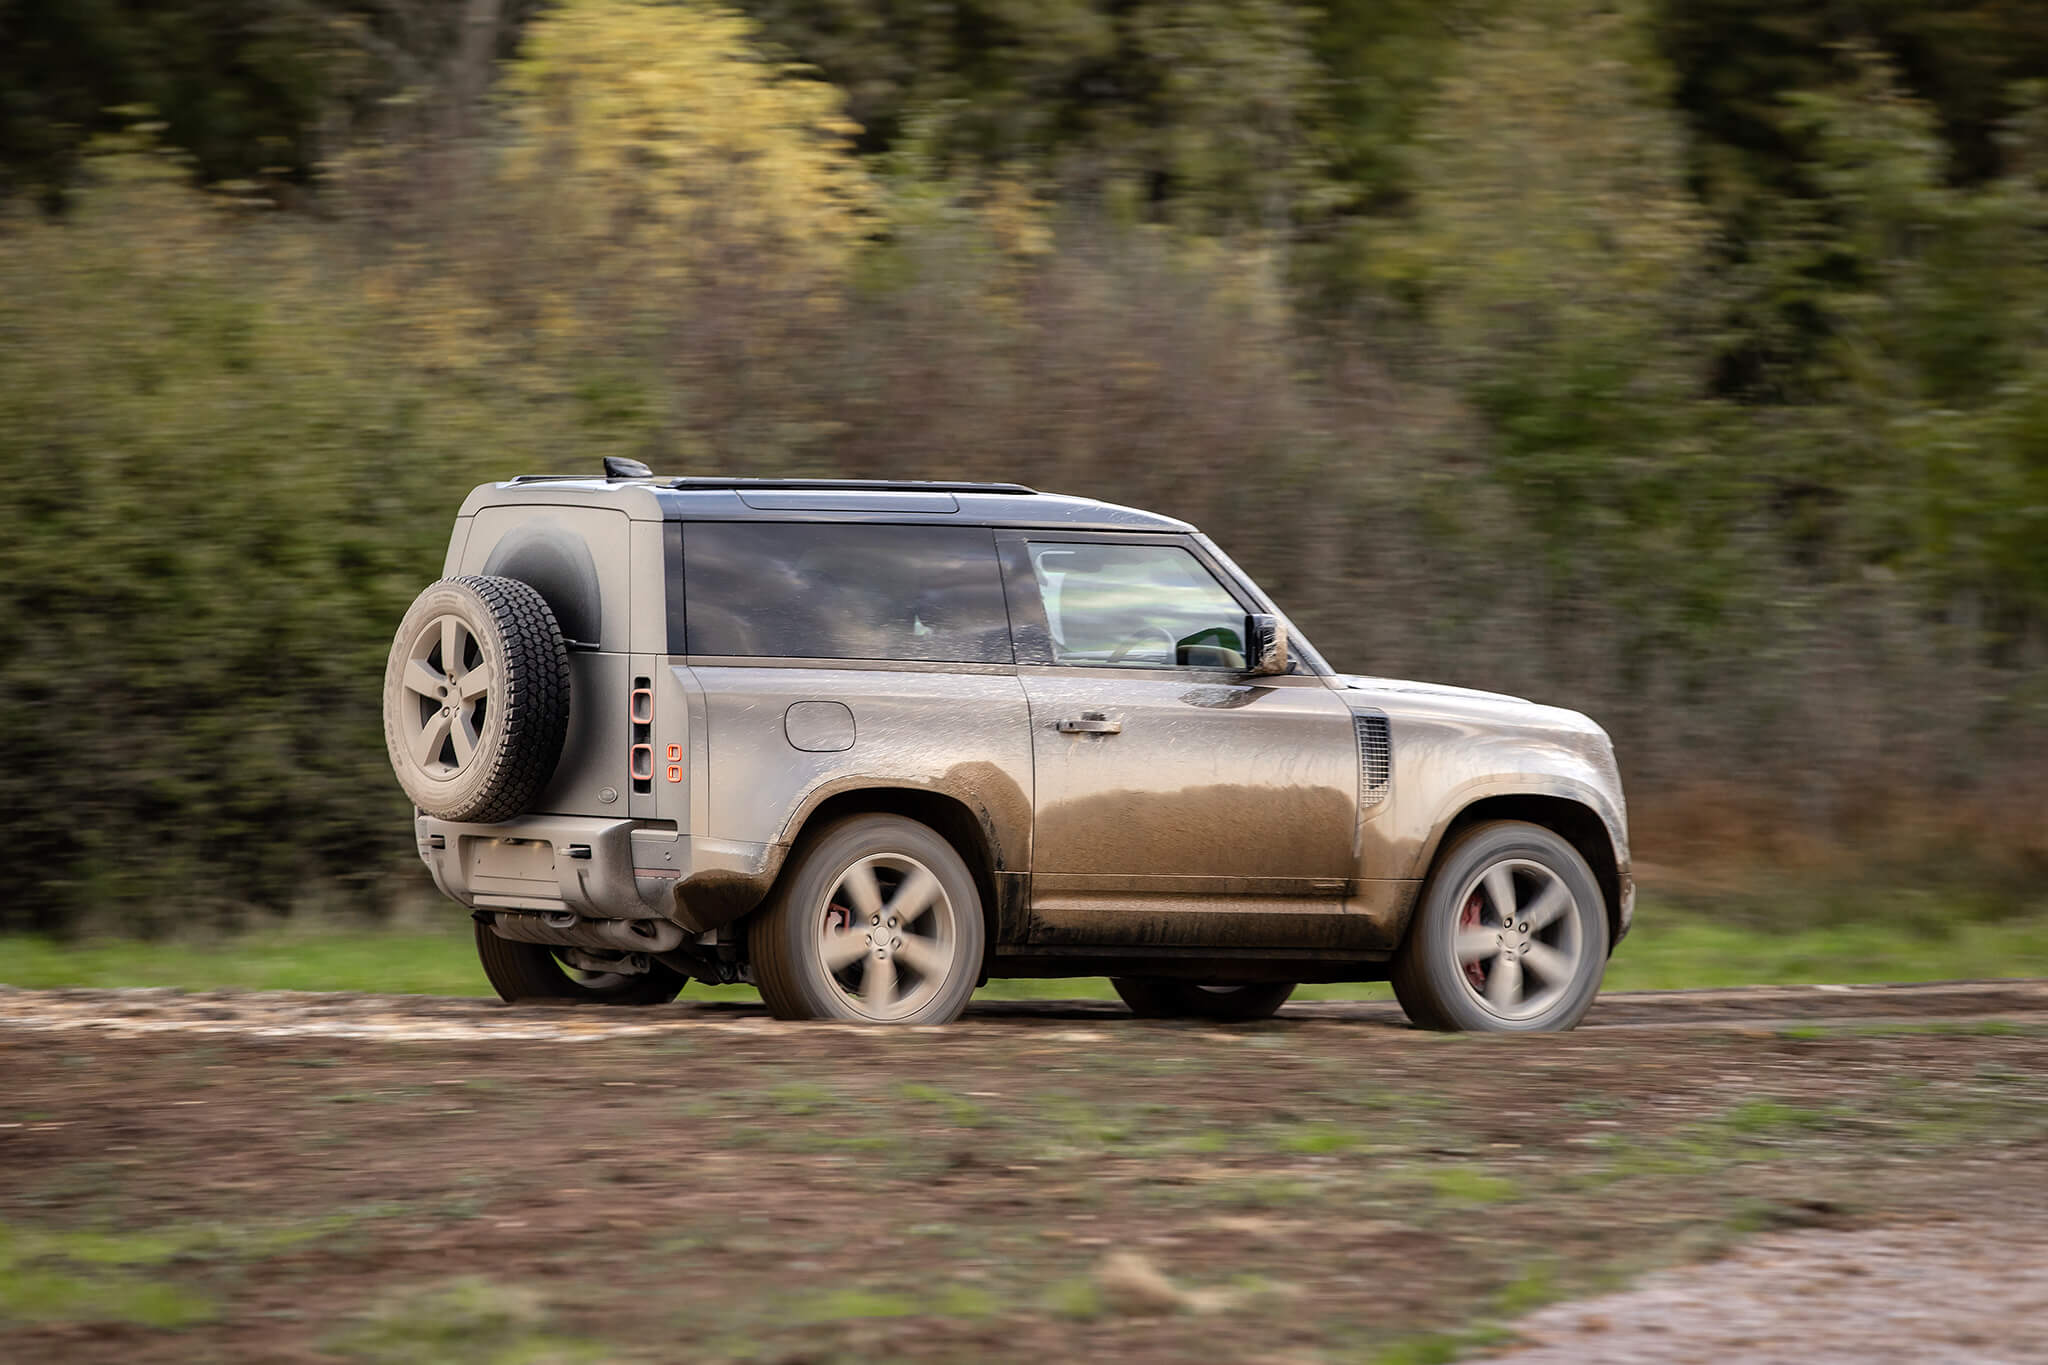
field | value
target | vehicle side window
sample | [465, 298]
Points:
[1136, 606]
[822, 591]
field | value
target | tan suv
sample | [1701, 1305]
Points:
[868, 745]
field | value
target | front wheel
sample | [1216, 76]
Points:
[1511, 936]
[878, 922]
[1155, 998]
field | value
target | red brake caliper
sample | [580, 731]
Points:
[1469, 919]
[838, 918]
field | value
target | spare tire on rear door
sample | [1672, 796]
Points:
[476, 698]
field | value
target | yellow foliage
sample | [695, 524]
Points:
[1016, 219]
[658, 129]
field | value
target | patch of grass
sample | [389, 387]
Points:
[467, 1321]
[1268, 1191]
[843, 1304]
[1671, 947]
[800, 1099]
[1955, 1028]
[19, 1244]
[1318, 1139]
[1427, 1348]
[1469, 1185]
[1075, 1299]
[55, 1296]
[1062, 1127]
[959, 1111]
[22, 1244]
[436, 960]
[1765, 1118]
[855, 1304]
[964, 1301]
[434, 957]
[1528, 1291]
[1630, 1159]
[1343, 990]
[55, 1275]
[1048, 988]
[811, 1138]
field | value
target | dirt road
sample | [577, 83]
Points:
[272, 1176]
[417, 1018]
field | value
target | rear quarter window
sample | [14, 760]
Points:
[822, 591]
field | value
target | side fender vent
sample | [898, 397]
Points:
[1375, 758]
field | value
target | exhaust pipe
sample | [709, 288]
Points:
[561, 929]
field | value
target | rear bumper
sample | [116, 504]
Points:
[607, 869]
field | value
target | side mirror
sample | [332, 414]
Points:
[1265, 645]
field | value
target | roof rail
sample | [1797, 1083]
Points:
[856, 485]
[712, 483]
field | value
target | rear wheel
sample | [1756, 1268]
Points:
[1157, 998]
[1511, 936]
[879, 922]
[531, 973]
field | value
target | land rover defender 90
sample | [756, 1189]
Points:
[869, 744]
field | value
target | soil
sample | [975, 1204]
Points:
[269, 1176]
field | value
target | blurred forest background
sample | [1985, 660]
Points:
[1683, 361]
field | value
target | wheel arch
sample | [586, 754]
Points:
[1574, 821]
[950, 817]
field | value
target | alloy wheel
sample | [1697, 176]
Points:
[887, 936]
[448, 683]
[1519, 944]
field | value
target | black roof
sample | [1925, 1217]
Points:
[978, 504]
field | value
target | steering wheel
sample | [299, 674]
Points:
[1116, 656]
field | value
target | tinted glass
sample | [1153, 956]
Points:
[1136, 606]
[844, 592]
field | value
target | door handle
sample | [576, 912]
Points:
[1090, 723]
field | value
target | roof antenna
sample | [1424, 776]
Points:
[619, 467]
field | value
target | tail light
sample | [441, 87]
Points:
[641, 712]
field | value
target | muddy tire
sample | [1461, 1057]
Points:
[530, 973]
[476, 698]
[1511, 936]
[877, 921]
[1156, 998]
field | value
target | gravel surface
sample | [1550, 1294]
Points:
[1952, 1292]
[417, 1018]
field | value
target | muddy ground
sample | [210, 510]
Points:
[235, 1178]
